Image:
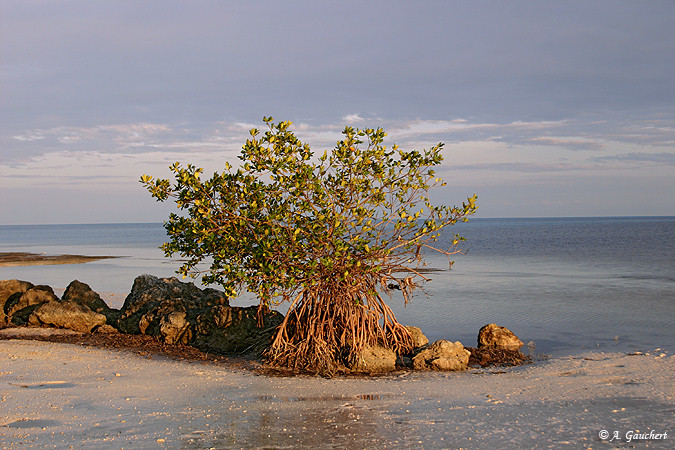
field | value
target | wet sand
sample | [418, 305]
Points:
[58, 395]
[13, 259]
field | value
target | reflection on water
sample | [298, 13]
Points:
[315, 421]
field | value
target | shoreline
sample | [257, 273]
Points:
[15, 259]
[150, 346]
[56, 394]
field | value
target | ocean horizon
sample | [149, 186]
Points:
[471, 219]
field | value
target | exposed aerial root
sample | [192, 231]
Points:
[327, 326]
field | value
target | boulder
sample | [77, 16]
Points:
[8, 288]
[81, 293]
[442, 355]
[156, 297]
[66, 314]
[374, 359]
[447, 364]
[419, 339]
[20, 306]
[494, 336]
[174, 312]
[178, 312]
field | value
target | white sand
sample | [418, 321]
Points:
[58, 395]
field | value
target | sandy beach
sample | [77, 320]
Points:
[56, 395]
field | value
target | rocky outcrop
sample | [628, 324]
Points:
[66, 314]
[442, 355]
[153, 298]
[178, 312]
[374, 359]
[172, 311]
[26, 304]
[84, 295]
[494, 336]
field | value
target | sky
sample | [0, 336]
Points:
[546, 109]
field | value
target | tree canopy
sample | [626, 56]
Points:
[327, 233]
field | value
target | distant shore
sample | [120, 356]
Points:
[13, 259]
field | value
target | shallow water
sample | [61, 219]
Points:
[567, 285]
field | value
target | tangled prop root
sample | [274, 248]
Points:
[325, 329]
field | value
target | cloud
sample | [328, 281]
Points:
[30, 137]
[128, 138]
[352, 118]
[652, 131]
[461, 127]
[69, 139]
[479, 156]
[571, 144]
[525, 167]
[90, 170]
[119, 132]
[538, 142]
[661, 158]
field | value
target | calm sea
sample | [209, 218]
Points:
[567, 285]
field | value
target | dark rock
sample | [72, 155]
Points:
[232, 330]
[9, 288]
[66, 314]
[181, 313]
[494, 336]
[405, 361]
[20, 306]
[81, 293]
[442, 355]
[158, 297]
